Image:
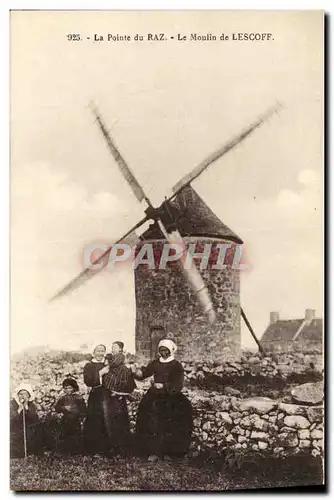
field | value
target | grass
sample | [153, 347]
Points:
[83, 473]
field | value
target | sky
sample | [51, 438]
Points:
[167, 105]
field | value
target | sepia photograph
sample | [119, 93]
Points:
[166, 250]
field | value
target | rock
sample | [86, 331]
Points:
[272, 419]
[315, 452]
[225, 417]
[304, 434]
[197, 422]
[207, 426]
[259, 405]
[235, 414]
[262, 445]
[237, 430]
[317, 434]
[255, 447]
[278, 449]
[230, 438]
[311, 392]
[318, 444]
[242, 439]
[315, 413]
[237, 446]
[304, 443]
[260, 424]
[297, 422]
[259, 435]
[244, 445]
[254, 360]
[287, 439]
[290, 409]
[204, 436]
[232, 392]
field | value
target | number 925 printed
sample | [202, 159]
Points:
[73, 37]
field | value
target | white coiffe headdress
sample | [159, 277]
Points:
[171, 346]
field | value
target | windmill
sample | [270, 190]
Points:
[165, 220]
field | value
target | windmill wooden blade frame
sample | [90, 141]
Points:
[196, 172]
[89, 272]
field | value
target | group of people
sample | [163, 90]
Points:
[164, 418]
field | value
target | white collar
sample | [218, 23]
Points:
[167, 360]
[94, 360]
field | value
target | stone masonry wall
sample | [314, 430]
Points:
[164, 299]
[256, 424]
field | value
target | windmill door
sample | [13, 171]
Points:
[157, 333]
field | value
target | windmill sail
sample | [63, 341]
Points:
[187, 179]
[91, 271]
[192, 275]
[123, 166]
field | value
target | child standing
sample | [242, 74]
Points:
[73, 409]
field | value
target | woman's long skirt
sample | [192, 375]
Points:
[117, 423]
[95, 429]
[164, 424]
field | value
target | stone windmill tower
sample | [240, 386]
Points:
[166, 303]
[200, 306]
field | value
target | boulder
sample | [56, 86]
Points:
[317, 434]
[242, 439]
[237, 430]
[259, 405]
[311, 393]
[304, 434]
[291, 409]
[232, 392]
[318, 444]
[230, 439]
[225, 417]
[287, 439]
[263, 436]
[296, 422]
[262, 445]
[207, 426]
[315, 413]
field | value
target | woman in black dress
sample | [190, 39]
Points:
[95, 429]
[164, 421]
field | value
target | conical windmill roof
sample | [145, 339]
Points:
[194, 218]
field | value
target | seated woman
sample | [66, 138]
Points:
[164, 420]
[118, 382]
[73, 409]
[25, 426]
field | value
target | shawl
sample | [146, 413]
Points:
[119, 378]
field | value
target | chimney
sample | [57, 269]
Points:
[309, 315]
[274, 317]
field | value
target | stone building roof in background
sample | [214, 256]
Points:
[194, 218]
[285, 330]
